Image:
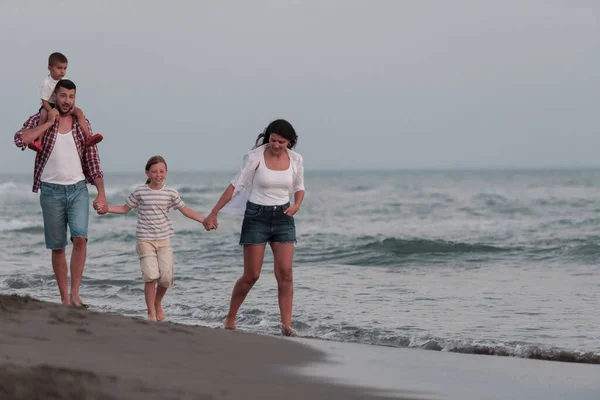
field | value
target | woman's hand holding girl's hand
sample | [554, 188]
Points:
[210, 222]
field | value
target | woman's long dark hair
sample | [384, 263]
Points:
[280, 127]
[152, 161]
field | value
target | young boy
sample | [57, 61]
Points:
[57, 65]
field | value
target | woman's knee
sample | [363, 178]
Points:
[284, 273]
[250, 278]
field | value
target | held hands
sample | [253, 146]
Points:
[210, 222]
[291, 210]
[100, 205]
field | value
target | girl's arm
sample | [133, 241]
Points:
[188, 212]
[124, 209]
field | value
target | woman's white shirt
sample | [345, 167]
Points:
[243, 181]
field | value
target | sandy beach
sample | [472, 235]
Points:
[50, 351]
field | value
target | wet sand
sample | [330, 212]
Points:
[50, 351]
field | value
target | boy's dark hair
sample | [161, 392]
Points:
[65, 83]
[56, 58]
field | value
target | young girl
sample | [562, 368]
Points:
[154, 229]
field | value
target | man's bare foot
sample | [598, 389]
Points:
[76, 301]
[151, 317]
[229, 323]
[66, 302]
[160, 313]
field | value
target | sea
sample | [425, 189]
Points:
[494, 262]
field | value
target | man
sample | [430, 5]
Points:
[62, 170]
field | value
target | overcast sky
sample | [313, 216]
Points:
[367, 84]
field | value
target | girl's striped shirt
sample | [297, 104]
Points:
[152, 206]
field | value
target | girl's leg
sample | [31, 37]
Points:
[160, 293]
[150, 294]
[253, 260]
[283, 254]
[164, 254]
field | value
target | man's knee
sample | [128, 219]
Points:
[79, 241]
[58, 252]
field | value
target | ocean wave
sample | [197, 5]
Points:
[470, 346]
[378, 337]
[425, 246]
[193, 190]
[13, 193]
[370, 251]
[20, 226]
[26, 281]
[257, 321]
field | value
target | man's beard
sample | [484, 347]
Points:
[61, 112]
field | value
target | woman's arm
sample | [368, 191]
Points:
[210, 222]
[298, 198]
[188, 212]
[224, 199]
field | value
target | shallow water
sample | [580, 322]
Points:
[495, 262]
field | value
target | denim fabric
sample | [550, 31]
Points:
[267, 224]
[62, 206]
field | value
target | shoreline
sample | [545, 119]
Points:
[52, 351]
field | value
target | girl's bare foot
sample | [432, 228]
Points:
[160, 313]
[229, 323]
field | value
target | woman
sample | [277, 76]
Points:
[271, 176]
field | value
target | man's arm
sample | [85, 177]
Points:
[31, 130]
[100, 204]
[91, 162]
[94, 175]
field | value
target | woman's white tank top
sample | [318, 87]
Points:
[271, 188]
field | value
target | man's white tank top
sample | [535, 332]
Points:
[271, 188]
[64, 165]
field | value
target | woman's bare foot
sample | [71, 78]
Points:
[160, 313]
[287, 331]
[229, 323]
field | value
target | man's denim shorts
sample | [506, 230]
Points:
[267, 224]
[64, 205]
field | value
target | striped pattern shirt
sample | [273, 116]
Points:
[90, 160]
[152, 206]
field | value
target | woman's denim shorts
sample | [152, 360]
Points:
[267, 224]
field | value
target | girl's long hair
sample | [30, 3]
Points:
[152, 161]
